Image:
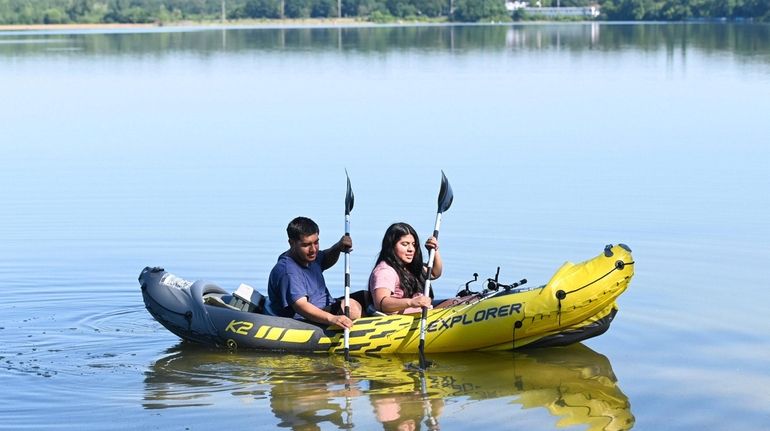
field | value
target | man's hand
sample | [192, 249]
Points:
[315, 314]
[345, 244]
[341, 321]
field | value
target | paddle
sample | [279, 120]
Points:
[427, 408]
[445, 197]
[348, 207]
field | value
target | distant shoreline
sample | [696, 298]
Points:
[309, 22]
[35, 27]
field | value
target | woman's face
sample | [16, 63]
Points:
[405, 248]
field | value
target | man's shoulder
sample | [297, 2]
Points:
[282, 267]
[284, 261]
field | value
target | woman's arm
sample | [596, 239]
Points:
[383, 301]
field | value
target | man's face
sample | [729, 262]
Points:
[304, 250]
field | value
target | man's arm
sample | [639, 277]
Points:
[315, 314]
[332, 254]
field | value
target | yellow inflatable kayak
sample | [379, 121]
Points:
[577, 303]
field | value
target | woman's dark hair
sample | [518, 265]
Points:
[412, 275]
[299, 227]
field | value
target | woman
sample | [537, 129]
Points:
[398, 278]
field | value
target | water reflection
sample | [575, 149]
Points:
[743, 40]
[539, 38]
[575, 384]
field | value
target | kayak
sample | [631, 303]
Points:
[578, 302]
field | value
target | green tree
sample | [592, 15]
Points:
[432, 8]
[54, 16]
[671, 11]
[720, 8]
[754, 8]
[298, 8]
[93, 11]
[262, 9]
[628, 9]
[324, 8]
[401, 8]
[363, 7]
[77, 9]
[480, 10]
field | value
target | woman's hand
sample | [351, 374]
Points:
[431, 243]
[419, 301]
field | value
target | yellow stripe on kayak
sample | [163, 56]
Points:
[297, 335]
[274, 334]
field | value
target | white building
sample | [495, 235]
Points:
[552, 12]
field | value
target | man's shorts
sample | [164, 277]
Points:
[338, 308]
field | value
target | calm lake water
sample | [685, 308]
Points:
[191, 149]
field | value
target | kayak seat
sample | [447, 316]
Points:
[371, 311]
[267, 309]
[246, 298]
[218, 301]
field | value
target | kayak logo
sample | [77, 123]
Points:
[479, 316]
[239, 327]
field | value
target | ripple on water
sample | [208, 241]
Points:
[48, 341]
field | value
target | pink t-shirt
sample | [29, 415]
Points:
[384, 276]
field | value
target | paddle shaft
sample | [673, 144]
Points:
[427, 407]
[349, 200]
[347, 289]
[426, 292]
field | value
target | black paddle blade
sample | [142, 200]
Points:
[422, 365]
[349, 198]
[445, 195]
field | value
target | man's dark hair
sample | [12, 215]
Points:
[301, 226]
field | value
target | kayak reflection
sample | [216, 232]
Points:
[574, 383]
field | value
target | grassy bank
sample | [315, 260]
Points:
[305, 22]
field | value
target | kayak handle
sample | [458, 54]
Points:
[467, 291]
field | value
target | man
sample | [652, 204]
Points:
[296, 286]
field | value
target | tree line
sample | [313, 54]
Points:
[167, 11]
[678, 10]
